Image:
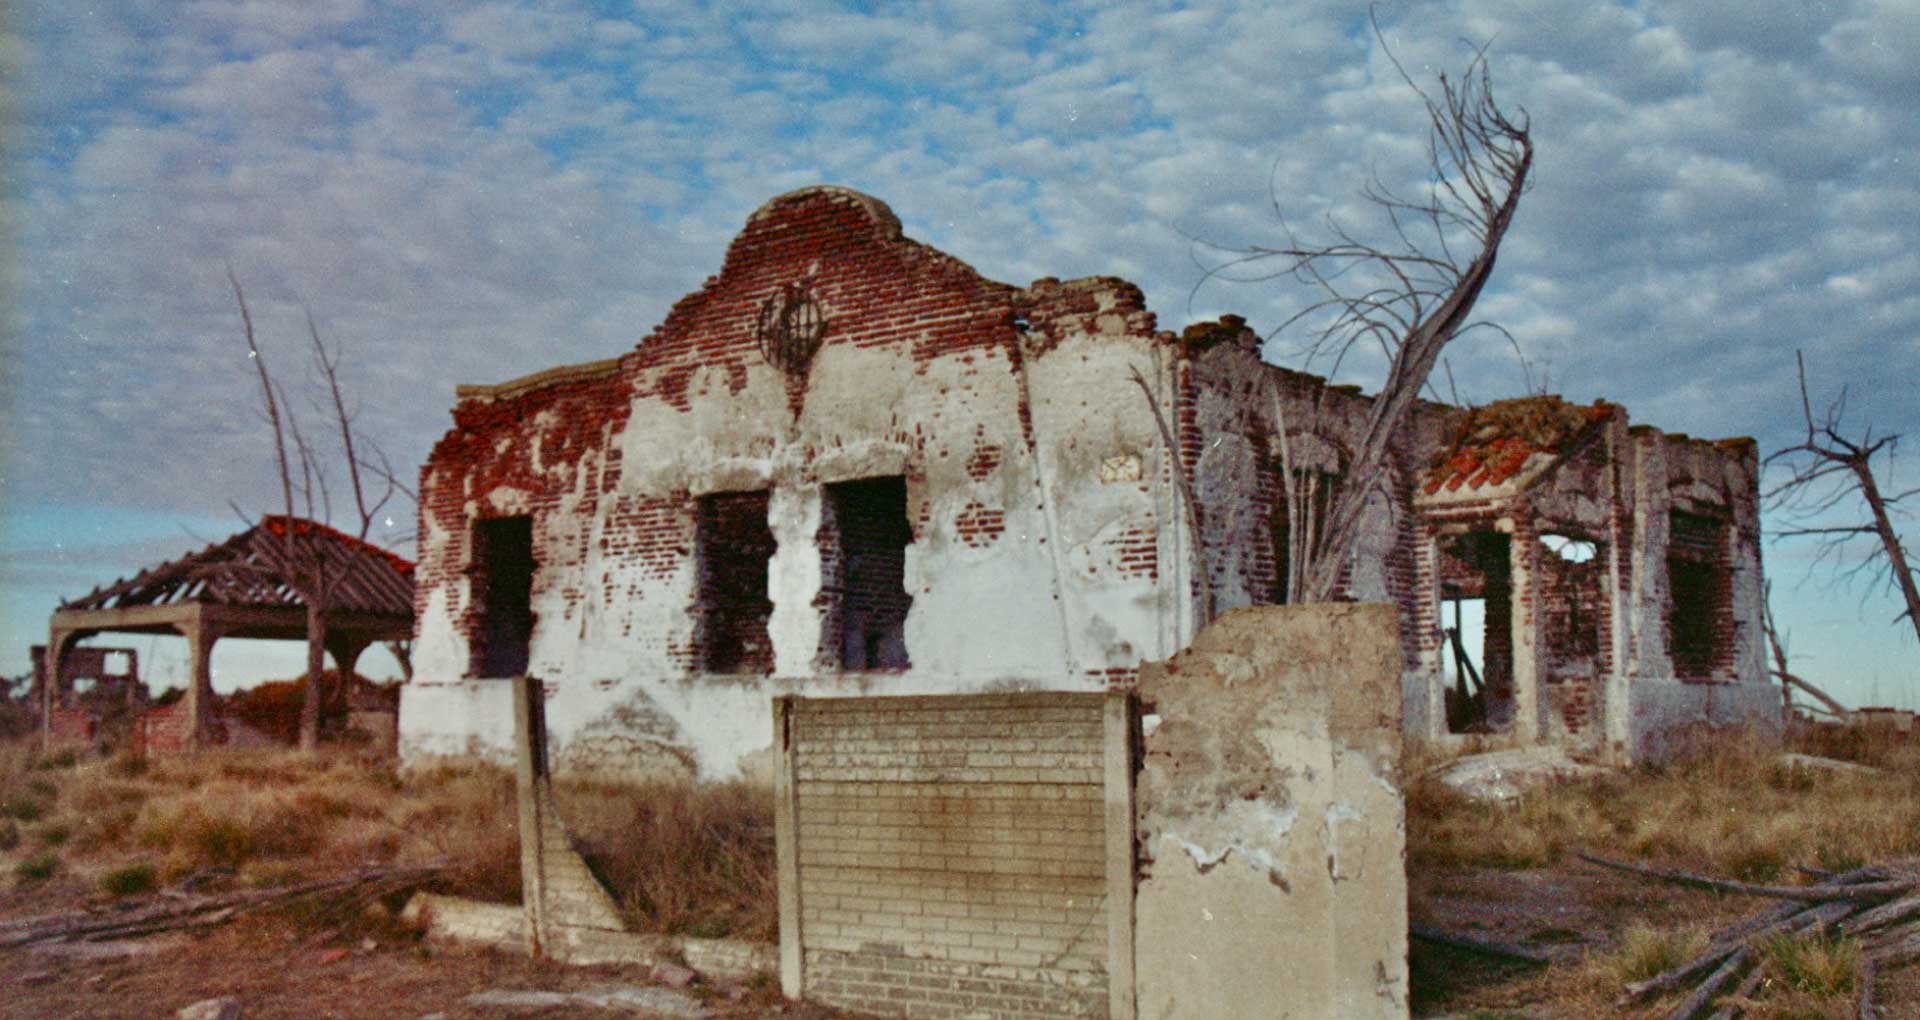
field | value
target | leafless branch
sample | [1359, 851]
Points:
[1825, 470]
[1409, 298]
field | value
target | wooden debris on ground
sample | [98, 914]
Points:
[184, 912]
[1879, 907]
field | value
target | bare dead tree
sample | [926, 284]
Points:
[1407, 296]
[1828, 471]
[317, 575]
[1788, 679]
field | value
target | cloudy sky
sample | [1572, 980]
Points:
[466, 193]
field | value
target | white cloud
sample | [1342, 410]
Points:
[468, 193]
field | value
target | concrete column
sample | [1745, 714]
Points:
[201, 635]
[787, 855]
[1620, 513]
[1528, 662]
[530, 774]
[58, 638]
[346, 650]
[1272, 822]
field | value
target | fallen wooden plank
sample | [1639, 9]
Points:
[1483, 947]
[1822, 893]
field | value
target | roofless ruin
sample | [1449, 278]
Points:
[850, 464]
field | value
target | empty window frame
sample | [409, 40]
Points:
[732, 547]
[863, 541]
[502, 579]
[1573, 605]
[1699, 592]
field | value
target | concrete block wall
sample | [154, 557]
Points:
[950, 856]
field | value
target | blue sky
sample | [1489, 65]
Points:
[470, 192]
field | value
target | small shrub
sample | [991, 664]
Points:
[128, 766]
[1818, 967]
[53, 835]
[61, 759]
[1762, 862]
[23, 807]
[131, 880]
[1645, 951]
[273, 874]
[9, 834]
[35, 869]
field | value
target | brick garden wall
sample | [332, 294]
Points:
[951, 854]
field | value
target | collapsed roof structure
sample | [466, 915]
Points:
[252, 585]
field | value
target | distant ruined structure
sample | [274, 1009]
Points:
[848, 464]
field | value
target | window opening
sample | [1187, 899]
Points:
[503, 580]
[864, 535]
[733, 545]
[1315, 491]
[1699, 610]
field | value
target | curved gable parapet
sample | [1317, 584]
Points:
[784, 204]
[872, 285]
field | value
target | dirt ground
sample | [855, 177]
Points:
[281, 967]
[1572, 912]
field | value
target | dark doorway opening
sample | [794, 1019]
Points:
[864, 535]
[503, 580]
[1476, 593]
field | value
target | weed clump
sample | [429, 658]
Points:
[130, 880]
[1645, 951]
[37, 868]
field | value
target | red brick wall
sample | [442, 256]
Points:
[553, 443]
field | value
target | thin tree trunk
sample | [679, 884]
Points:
[1896, 556]
[310, 687]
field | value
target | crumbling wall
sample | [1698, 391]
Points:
[1271, 824]
[1036, 498]
[1696, 518]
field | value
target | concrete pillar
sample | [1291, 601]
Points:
[1271, 821]
[51, 687]
[346, 650]
[530, 780]
[1528, 661]
[200, 635]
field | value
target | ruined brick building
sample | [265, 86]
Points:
[850, 464]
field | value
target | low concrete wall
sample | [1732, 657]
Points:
[1669, 715]
[504, 926]
[1272, 829]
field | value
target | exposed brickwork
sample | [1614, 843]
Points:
[1700, 625]
[547, 443]
[980, 526]
[951, 855]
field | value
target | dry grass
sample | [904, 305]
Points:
[1731, 808]
[680, 859]
[266, 815]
